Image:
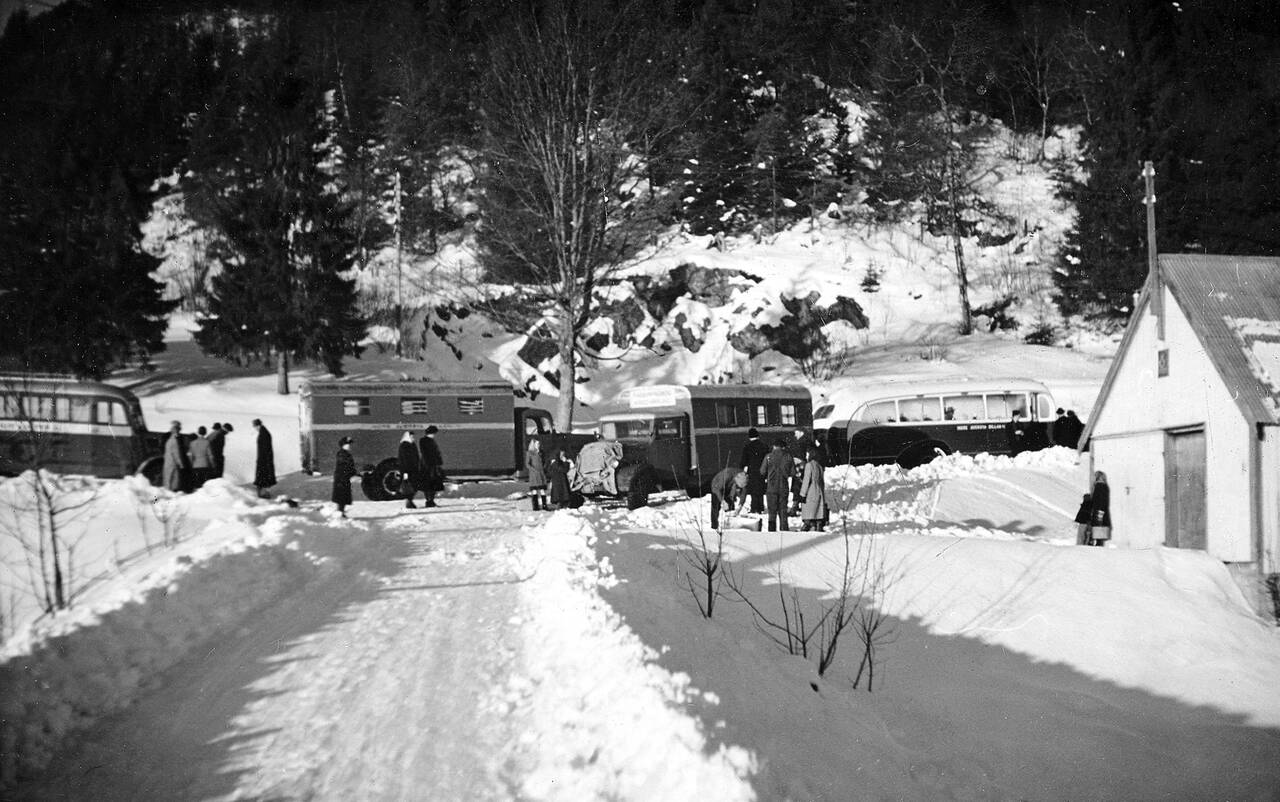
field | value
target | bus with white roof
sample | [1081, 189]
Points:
[681, 435]
[912, 422]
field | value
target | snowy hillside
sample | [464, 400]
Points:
[705, 309]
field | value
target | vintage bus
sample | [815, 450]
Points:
[69, 426]
[483, 432]
[911, 423]
[680, 436]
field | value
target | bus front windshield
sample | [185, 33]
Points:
[628, 429]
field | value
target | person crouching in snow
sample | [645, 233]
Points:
[537, 475]
[1082, 521]
[344, 470]
[727, 487]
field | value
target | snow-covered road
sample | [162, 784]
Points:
[375, 684]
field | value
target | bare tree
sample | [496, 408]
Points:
[576, 109]
[39, 521]
[706, 567]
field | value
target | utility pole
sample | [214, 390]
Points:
[1153, 258]
[399, 296]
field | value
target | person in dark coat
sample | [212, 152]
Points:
[537, 472]
[798, 448]
[1058, 429]
[1100, 512]
[176, 462]
[201, 458]
[344, 470]
[217, 445]
[410, 464]
[558, 477]
[264, 467]
[813, 493]
[1075, 428]
[779, 468]
[1083, 515]
[753, 454]
[728, 490]
[432, 466]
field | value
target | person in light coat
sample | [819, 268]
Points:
[813, 491]
[176, 462]
[537, 471]
[201, 458]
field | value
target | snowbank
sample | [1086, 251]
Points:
[606, 718]
[60, 674]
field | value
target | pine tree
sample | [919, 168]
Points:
[266, 175]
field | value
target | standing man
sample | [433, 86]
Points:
[410, 470]
[432, 466]
[799, 450]
[779, 468]
[753, 454]
[727, 486]
[176, 464]
[201, 459]
[217, 442]
[344, 470]
[264, 468]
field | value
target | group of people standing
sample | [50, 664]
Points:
[549, 487]
[1066, 429]
[192, 460]
[785, 479]
[421, 468]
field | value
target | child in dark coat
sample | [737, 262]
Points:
[1082, 521]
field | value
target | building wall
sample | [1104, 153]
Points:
[1271, 500]
[1192, 394]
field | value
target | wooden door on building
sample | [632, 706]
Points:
[1184, 482]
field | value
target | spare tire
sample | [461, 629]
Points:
[383, 482]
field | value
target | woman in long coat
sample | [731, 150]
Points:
[264, 469]
[344, 470]
[813, 489]
[176, 464]
[537, 474]
[1100, 520]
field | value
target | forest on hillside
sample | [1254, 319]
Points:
[306, 136]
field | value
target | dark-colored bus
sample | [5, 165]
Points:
[483, 432]
[65, 425]
[911, 423]
[680, 436]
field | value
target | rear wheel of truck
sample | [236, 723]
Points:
[383, 482]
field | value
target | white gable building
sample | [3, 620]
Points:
[1187, 426]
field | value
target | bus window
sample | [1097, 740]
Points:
[920, 409]
[81, 409]
[788, 414]
[964, 407]
[408, 406]
[110, 412]
[619, 429]
[727, 414]
[1006, 406]
[10, 407]
[760, 414]
[530, 426]
[880, 412]
[1044, 407]
[355, 406]
[668, 429]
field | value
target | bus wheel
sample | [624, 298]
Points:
[383, 482]
[922, 454]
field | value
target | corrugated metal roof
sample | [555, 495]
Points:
[1233, 304]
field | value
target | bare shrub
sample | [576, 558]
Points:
[705, 566]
